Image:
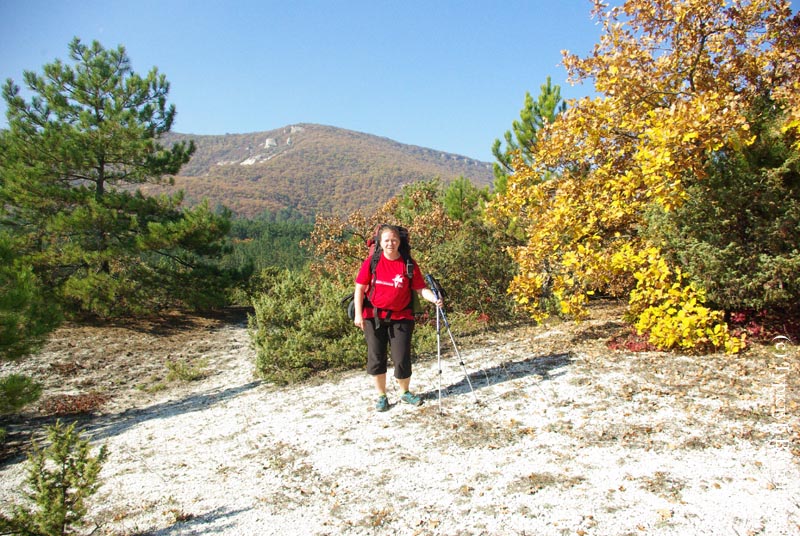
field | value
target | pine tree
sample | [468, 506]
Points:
[463, 200]
[61, 478]
[26, 314]
[72, 158]
[520, 142]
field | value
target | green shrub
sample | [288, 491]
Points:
[27, 312]
[474, 270]
[300, 328]
[737, 235]
[461, 324]
[16, 391]
[185, 371]
[423, 341]
[61, 477]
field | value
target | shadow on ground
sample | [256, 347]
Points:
[207, 523]
[545, 366]
[99, 427]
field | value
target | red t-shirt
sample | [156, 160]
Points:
[391, 287]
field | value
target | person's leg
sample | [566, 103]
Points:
[380, 383]
[400, 337]
[404, 384]
[400, 346]
[377, 340]
[382, 403]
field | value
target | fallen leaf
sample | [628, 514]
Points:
[665, 513]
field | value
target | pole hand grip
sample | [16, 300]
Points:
[434, 286]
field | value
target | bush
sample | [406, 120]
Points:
[737, 235]
[300, 328]
[475, 272]
[468, 257]
[61, 477]
[16, 391]
[670, 310]
[27, 312]
[186, 371]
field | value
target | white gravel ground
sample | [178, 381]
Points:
[563, 439]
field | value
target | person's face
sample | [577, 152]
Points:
[390, 242]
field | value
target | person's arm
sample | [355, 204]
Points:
[424, 292]
[428, 295]
[358, 302]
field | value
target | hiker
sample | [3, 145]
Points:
[391, 299]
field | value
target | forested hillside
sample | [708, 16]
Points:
[310, 169]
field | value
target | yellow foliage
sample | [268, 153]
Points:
[669, 309]
[792, 123]
[677, 78]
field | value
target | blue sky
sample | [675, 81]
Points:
[447, 75]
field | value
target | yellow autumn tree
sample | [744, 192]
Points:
[675, 79]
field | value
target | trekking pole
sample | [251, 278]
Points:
[439, 353]
[440, 313]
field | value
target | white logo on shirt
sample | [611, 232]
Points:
[397, 282]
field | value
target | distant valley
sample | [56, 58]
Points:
[309, 169]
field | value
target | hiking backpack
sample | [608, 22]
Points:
[374, 253]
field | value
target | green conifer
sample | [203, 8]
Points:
[72, 158]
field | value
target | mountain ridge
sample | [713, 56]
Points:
[309, 169]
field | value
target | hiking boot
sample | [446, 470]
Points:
[382, 404]
[410, 398]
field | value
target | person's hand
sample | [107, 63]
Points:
[359, 321]
[437, 300]
[428, 295]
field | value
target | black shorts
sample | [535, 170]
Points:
[397, 336]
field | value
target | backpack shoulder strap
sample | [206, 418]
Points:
[373, 263]
[409, 268]
[410, 276]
